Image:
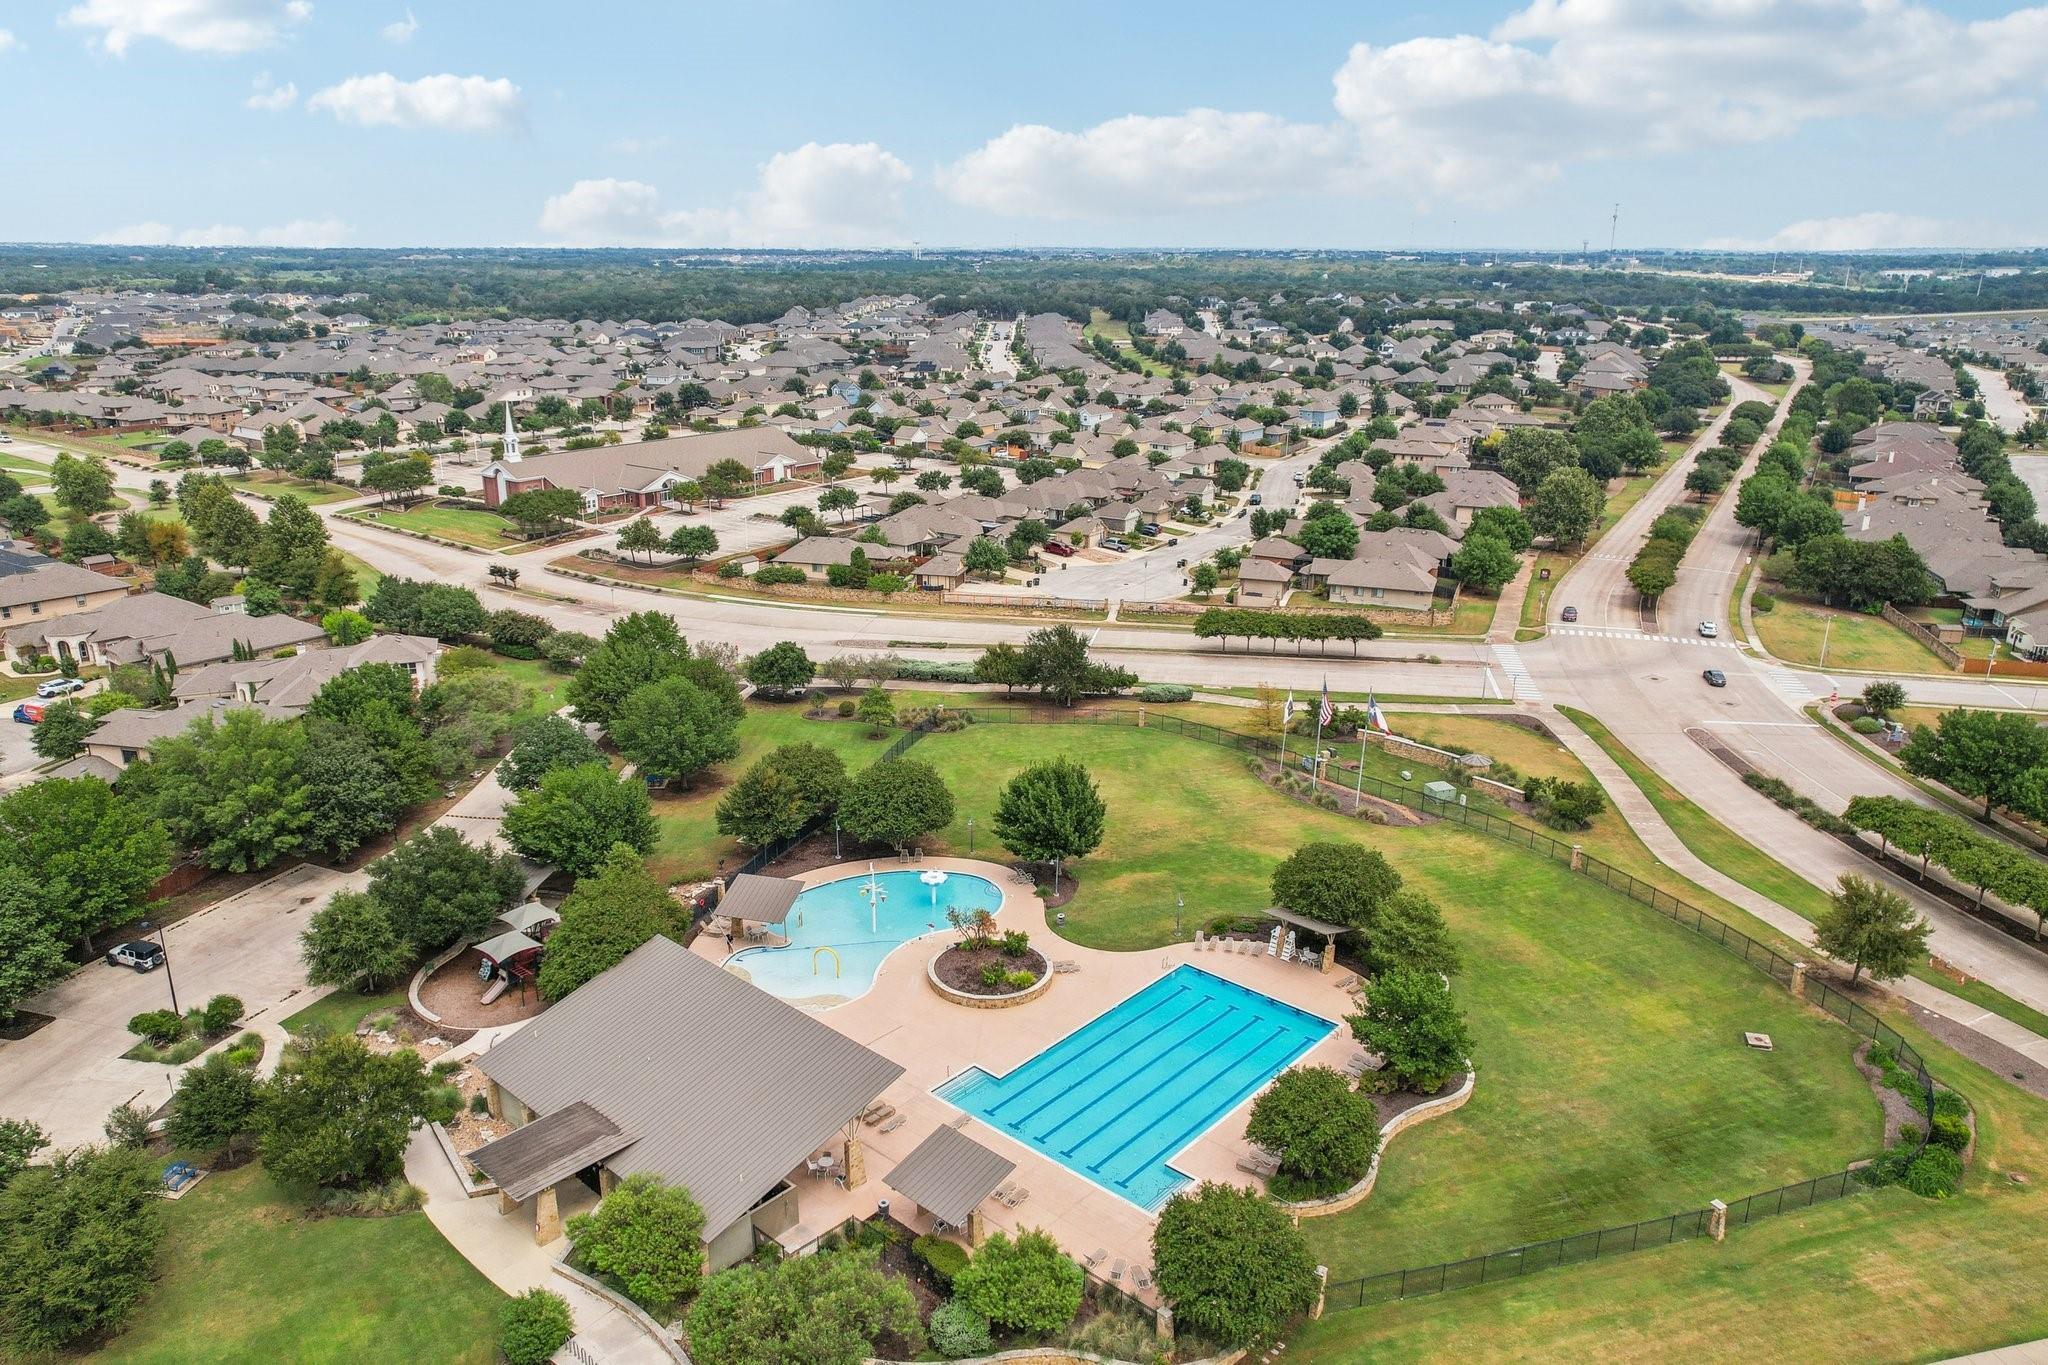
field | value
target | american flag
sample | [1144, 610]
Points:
[1323, 715]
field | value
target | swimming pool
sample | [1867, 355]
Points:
[1117, 1098]
[836, 941]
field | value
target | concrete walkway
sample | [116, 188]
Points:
[2026, 1353]
[1507, 612]
[1648, 824]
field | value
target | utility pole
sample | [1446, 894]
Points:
[1613, 226]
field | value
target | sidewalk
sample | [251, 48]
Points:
[1507, 612]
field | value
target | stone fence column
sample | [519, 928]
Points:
[1717, 1220]
[1322, 1290]
[1799, 979]
[1578, 858]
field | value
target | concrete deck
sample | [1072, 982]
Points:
[902, 1018]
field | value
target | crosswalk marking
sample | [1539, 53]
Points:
[1639, 635]
[1796, 687]
[1520, 682]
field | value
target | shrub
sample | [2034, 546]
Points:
[1935, 1173]
[847, 706]
[532, 1327]
[768, 575]
[162, 1027]
[993, 975]
[1017, 981]
[1950, 1131]
[730, 569]
[943, 1258]
[957, 1330]
[463, 659]
[1165, 692]
[1015, 943]
[647, 1236]
[220, 1014]
[1321, 1129]
[479, 1103]
[1949, 1104]
[1026, 1285]
[1231, 1263]
[1867, 725]
[1761, 603]
[444, 1102]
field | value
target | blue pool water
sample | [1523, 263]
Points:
[836, 916]
[1118, 1097]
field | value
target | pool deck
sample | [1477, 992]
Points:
[902, 1018]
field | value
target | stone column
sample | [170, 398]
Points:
[1329, 957]
[1322, 1289]
[495, 1098]
[856, 1164]
[1578, 858]
[1141, 718]
[1162, 1322]
[977, 1228]
[547, 1217]
[506, 1203]
[1717, 1220]
[607, 1181]
[1799, 979]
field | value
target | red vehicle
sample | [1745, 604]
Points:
[1057, 548]
[29, 713]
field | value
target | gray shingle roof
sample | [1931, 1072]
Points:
[948, 1174]
[728, 1087]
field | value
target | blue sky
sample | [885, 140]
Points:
[1792, 124]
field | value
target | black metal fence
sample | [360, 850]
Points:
[1587, 1246]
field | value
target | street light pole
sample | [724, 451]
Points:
[1827, 629]
[169, 979]
[970, 834]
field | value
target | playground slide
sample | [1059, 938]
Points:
[495, 989]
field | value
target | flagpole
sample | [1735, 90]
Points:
[1358, 792]
[1286, 719]
[1321, 711]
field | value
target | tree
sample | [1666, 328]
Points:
[827, 1309]
[90, 855]
[83, 487]
[338, 1115]
[781, 669]
[292, 549]
[1411, 1020]
[421, 608]
[1883, 698]
[876, 711]
[1205, 578]
[838, 499]
[1028, 1285]
[1506, 523]
[987, 557]
[576, 814]
[353, 941]
[782, 794]
[403, 477]
[641, 537]
[63, 730]
[1055, 660]
[1529, 455]
[233, 788]
[638, 649]
[1872, 928]
[1978, 753]
[647, 1236]
[78, 1245]
[1340, 883]
[692, 543]
[1324, 1132]
[214, 1106]
[1567, 507]
[359, 781]
[612, 911]
[345, 627]
[675, 729]
[533, 1326]
[896, 801]
[542, 511]
[1651, 574]
[1408, 931]
[20, 1140]
[1231, 1263]
[1484, 563]
[1049, 813]
[32, 955]
[440, 887]
[540, 745]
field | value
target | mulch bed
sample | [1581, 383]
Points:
[452, 993]
[960, 968]
[22, 1024]
[1898, 1110]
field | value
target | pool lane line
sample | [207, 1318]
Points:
[1136, 1064]
[1214, 1049]
[1104, 1037]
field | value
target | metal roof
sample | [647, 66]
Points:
[948, 1174]
[1308, 922]
[509, 944]
[762, 900]
[524, 917]
[729, 1088]
[534, 1156]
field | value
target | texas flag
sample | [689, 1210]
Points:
[1375, 717]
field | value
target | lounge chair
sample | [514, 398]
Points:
[1141, 1277]
[1017, 1196]
[1252, 1165]
[1116, 1272]
[867, 1115]
[1002, 1191]
[876, 1116]
[892, 1125]
[1200, 942]
[1094, 1258]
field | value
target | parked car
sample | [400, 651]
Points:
[1173, 540]
[1715, 677]
[5, 439]
[142, 956]
[58, 687]
[29, 713]
[1054, 547]
[1708, 630]
[1115, 543]
[1150, 528]
[1258, 499]
[1571, 613]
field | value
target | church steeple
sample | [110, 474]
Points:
[511, 455]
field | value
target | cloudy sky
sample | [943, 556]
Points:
[1796, 124]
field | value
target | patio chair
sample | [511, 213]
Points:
[892, 1125]
[1200, 942]
[868, 1114]
[1116, 1272]
[1017, 1196]
[876, 1116]
[1094, 1258]
[1002, 1191]
[1141, 1277]
[1253, 1165]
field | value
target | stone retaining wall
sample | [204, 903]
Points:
[987, 1002]
[655, 1332]
[1400, 1123]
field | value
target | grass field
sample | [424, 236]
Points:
[367, 578]
[1472, 616]
[246, 1275]
[1534, 603]
[1795, 631]
[1576, 999]
[1879, 1277]
[268, 483]
[1118, 334]
[340, 1011]
[464, 525]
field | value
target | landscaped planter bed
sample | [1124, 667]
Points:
[956, 974]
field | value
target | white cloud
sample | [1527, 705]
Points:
[1870, 232]
[401, 30]
[1559, 82]
[463, 104]
[821, 195]
[267, 95]
[314, 232]
[8, 42]
[1139, 164]
[215, 26]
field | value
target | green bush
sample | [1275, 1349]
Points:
[768, 575]
[479, 1103]
[1949, 1104]
[463, 659]
[993, 975]
[162, 1027]
[1164, 692]
[220, 1014]
[943, 1258]
[532, 1327]
[1866, 725]
[1025, 1285]
[1951, 1132]
[1015, 943]
[444, 1102]
[957, 1330]
[1017, 981]
[1761, 603]
[1935, 1173]
[730, 569]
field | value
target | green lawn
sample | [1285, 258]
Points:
[1795, 632]
[1119, 334]
[1879, 1277]
[268, 483]
[1631, 493]
[545, 682]
[21, 466]
[1535, 602]
[246, 1275]
[367, 578]
[1614, 1082]
[340, 1011]
[464, 525]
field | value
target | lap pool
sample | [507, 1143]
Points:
[1117, 1098]
[837, 939]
